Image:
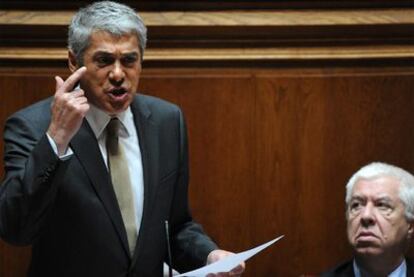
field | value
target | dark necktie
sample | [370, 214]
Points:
[121, 182]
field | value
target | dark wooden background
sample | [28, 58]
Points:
[282, 106]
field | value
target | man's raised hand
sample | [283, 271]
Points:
[68, 109]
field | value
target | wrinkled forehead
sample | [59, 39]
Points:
[101, 40]
[100, 35]
[377, 187]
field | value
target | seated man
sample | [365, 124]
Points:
[380, 215]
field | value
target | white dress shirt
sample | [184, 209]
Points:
[400, 271]
[128, 137]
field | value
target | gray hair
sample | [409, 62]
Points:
[108, 16]
[378, 169]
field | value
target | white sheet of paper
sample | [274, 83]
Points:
[228, 263]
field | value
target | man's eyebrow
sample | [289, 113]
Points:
[134, 53]
[102, 53]
[358, 197]
[384, 198]
[130, 54]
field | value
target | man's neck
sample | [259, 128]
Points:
[378, 266]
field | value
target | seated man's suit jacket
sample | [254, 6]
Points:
[347, 270]
[67, 210]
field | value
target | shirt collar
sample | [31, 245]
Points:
[98, 120]
[400, 271]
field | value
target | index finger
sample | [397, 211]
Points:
[73, 79]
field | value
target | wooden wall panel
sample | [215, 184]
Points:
[282, 106]
[270, 150]
[316, 131]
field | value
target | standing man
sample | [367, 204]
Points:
[93, 174]
[380, 220]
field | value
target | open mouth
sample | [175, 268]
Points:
[118, 92]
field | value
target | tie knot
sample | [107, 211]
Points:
[112, 129]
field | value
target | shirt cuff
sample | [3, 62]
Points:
[65, 155]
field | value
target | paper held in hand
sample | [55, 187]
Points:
[228, 263]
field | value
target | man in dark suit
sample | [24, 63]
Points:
[97, 174]
[380, 222]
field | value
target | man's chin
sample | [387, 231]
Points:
[116, 108]
[368, 250]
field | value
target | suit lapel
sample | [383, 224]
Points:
[410, 266]
[148, 140]
[86, 148]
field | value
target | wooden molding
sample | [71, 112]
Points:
[233, 54]
[230, 18]
[231, 35]
[228, 25]
[203, 5]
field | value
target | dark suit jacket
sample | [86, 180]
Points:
[347, 270]
[67, 210]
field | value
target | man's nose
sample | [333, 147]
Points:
[368, 215]
[117, 74]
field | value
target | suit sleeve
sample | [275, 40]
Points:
[190, 245]
[28, 189]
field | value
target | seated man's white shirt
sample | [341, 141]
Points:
[400, 271]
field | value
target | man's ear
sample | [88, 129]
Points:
[410, 231]
[72, 62]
